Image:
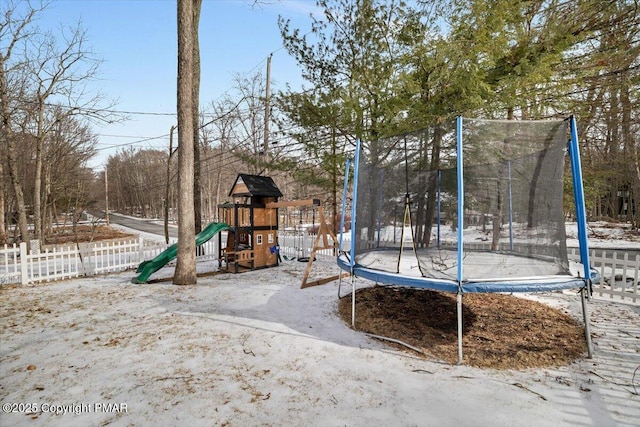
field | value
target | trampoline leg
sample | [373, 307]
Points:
[459, 305]
[587, 326]
[353, 301]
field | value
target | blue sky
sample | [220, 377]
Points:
[137, 41]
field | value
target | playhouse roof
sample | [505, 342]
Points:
[254, 185]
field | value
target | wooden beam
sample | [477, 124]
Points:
[307, 202]
[324, 281]
[324, 232]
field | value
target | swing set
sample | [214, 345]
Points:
[325, 239]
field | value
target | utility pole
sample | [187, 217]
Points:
[267, 109]
[167, 189]
[106, 195]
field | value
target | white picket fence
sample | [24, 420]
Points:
[299, 245]
[19, 265]
[619, 271]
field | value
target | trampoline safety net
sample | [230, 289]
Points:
[511, 198]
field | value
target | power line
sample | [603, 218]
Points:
[151, 138]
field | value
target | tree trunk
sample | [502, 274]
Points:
[631, 155]
[496, 214]
[220, 161]
[45, 218]
[185, 273]
[8, 141]
[434, 166]
[23, 225]
[334, 184]
[3, 230]
[37, 188]
[6, 135]
[197, 201]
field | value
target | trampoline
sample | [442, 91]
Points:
[471, 206]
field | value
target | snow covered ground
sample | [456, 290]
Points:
[253, 349]
[605, 235]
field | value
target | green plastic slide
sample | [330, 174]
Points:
[147, 268]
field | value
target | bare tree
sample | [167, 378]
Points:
[44, 78]
[251, 121]
[185, 273]
[14, 28]
[221, 139]
[70, 144]
[137, 181]
[59, 73]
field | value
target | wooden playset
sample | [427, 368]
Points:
[253, 227]
[251, 241]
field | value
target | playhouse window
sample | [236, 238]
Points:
[259, 239]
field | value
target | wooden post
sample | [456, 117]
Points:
[324, 232]
[24, 267]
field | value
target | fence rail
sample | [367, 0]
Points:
[19, 265]
[300, 245]
[620, 271]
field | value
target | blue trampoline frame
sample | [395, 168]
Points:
[346, 259]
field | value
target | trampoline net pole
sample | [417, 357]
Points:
[578, 195]
[460, 204]
[459, 307]
[354, 204]
[344, 202]
[587, 321]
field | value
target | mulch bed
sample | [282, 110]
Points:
[499, 331]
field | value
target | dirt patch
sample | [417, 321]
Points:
[499, 331]
[84, 233]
